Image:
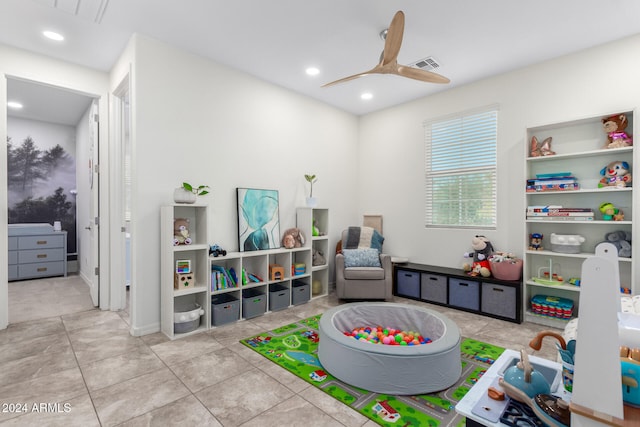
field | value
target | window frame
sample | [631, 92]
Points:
[444, 172]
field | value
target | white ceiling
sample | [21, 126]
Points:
[277, 40]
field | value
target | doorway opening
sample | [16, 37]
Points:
[49, 140]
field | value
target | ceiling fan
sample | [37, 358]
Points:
[388, 59]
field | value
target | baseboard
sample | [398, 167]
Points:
[145, 330]
[84, 278]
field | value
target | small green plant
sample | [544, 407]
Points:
[311, 179]
[198, 191]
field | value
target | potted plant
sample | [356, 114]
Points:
[189, 193]
[311, 201]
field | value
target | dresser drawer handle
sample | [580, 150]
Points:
[498, 289]
[42, 269]
[42, 255]
[41, 242]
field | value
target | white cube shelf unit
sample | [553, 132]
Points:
[579, 147]
[196, 253]
[255, 265]
[306, 220]
[206, 289]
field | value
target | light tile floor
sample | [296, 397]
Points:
[85, 369]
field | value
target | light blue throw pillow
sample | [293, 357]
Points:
[361, 258]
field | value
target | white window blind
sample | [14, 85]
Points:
[461, 170]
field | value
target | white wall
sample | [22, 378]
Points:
[203, 123]
[391, 154]
[25, 65]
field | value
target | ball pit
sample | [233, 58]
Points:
[386, 336]
[391, 368]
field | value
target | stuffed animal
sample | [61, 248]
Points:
[482, 250]
[538, 149]
[535, 242]
[181, 232]
[616, 174]
[318, 258]
[293, 238]
[610, 212]
[621, 240]
[614, 126]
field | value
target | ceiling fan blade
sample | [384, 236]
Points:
[393, 40]
[346, 79]
[422, 75]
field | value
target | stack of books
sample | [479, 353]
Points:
[560, 181]
[558, 213]
[222, 278]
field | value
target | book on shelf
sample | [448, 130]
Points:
[556, 209]
[561, 218]
[554, 181]
[221, 278]
[553, 175]
[552, 187]
[552, 214]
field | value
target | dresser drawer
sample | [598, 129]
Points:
[13, 257]
[13, 243]
[38, 242]
[40, 255]
[42, 269]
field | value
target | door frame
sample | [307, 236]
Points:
[118, 291]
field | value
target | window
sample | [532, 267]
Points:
[461, 170]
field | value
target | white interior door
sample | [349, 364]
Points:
[94, 210]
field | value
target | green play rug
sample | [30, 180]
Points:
[294, 347]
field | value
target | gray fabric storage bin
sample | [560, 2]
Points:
[300, 292]
[464, 293]
[279, 296]
[254, 303]
[499, 300]
[433, 287]
[408, 283]
[225, 308]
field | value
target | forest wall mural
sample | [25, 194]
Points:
[41, 175]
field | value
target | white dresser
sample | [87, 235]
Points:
[36, 250]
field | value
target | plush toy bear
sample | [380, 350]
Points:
[614, 126]
[482, 250]
[621, 240]
[181, 232]
[616, 174]
[293, 238]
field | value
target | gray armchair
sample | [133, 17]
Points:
[364, 282]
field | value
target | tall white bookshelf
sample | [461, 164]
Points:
[579, 147]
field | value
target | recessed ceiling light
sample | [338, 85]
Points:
[366, 96]
[15, 105]
[53, 35]
[312, 71]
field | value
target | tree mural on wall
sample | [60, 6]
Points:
[36, 180]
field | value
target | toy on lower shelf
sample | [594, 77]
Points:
[560, 308]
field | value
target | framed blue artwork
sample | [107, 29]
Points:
[258, 219]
